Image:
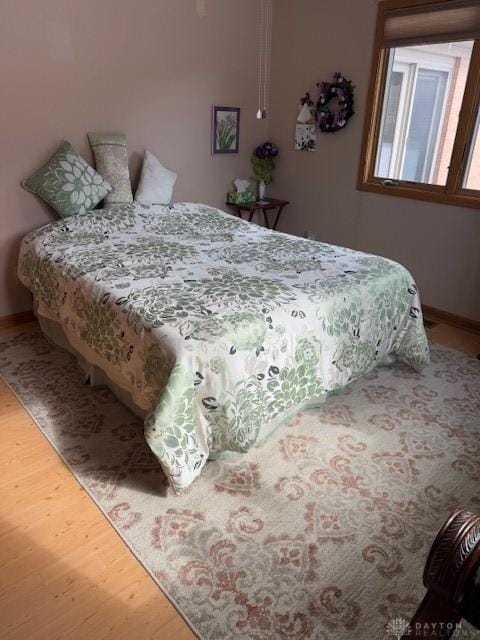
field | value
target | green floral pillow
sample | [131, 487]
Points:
[68, 183]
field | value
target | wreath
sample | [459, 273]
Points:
[341, 90]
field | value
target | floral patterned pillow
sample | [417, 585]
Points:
[111, 159]
[68, 183]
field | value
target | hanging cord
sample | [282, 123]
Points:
[266, 57]
[260, 63]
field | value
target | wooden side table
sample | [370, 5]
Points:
[268, 204]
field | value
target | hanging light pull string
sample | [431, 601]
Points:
[260, 61]
[266, 57]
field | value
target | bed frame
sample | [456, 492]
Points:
[452, 579]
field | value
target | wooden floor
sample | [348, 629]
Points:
[455, 338]
[64, 572]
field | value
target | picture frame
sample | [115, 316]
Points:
[305, 137]
[225, 129]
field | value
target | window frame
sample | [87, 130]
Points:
[452, 192]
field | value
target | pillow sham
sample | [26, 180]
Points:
[156, 182]
[111, 159]
[68, 183]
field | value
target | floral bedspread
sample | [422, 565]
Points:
[215, 325]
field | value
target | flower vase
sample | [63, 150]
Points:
[261, 190]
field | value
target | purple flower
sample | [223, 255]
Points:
[306, 100]
[323, 89]
[266, 151]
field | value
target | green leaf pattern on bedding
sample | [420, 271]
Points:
[216, 325]
[99, 327]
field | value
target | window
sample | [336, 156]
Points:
[421, 137]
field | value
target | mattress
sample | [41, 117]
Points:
[214, 326]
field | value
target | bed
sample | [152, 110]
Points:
[213, 329]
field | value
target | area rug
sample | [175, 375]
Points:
[320, 532]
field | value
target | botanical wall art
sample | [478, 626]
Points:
[225, 129]
[305, 134]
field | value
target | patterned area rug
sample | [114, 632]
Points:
[320, 532]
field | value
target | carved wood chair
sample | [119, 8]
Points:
[452, 579]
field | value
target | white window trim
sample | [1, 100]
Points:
[434, 62]
[409, 72]
[407, 62]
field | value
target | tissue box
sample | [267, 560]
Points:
[235, 197]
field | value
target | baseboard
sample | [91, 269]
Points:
[452, 319]
[16, 319]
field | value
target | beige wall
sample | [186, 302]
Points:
[150, 68]
[438, 243]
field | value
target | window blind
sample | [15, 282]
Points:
[450, 21]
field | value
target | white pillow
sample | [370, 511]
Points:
[156, 182]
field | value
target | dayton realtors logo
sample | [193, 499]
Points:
[399, 628]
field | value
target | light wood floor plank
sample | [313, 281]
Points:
[455, 338]
[64, 572]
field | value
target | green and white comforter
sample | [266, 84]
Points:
[214, 325]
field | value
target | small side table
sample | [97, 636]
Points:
[268, 204]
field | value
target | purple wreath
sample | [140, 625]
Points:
[341, 90]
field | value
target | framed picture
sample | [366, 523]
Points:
[225, 129]
[305, 137]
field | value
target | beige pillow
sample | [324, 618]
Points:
[111, 160]
[156, 182]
